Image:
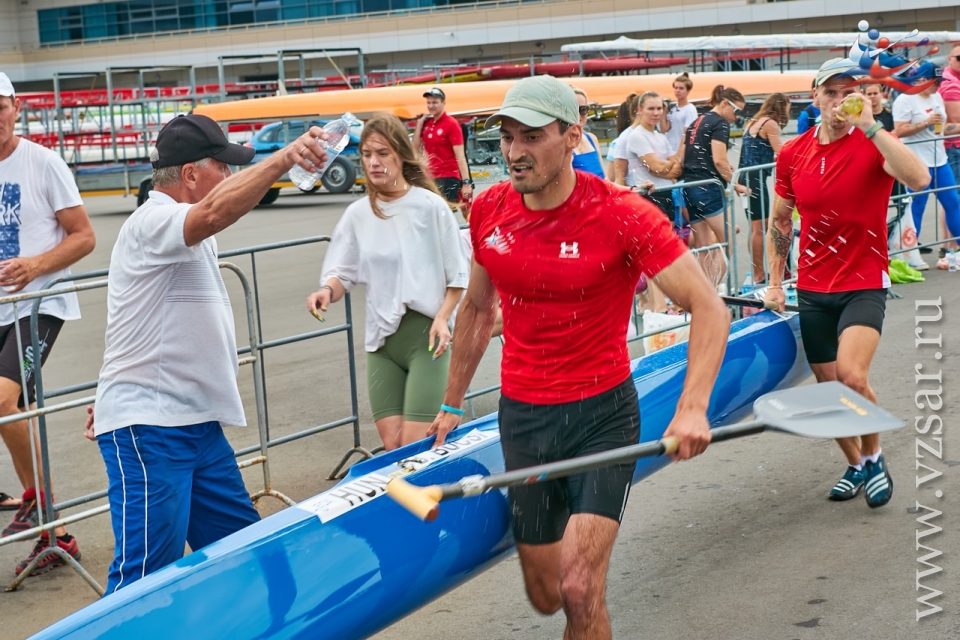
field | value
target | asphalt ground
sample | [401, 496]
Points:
[738, 544]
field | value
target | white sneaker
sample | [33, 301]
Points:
[919, 265]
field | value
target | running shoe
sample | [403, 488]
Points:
[879, 483]
[943, 263]
[26, 516]
[848, 486]
[51, 560]
[919, 265]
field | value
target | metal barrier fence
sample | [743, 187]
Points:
[251, 354]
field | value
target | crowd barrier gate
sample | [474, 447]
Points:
[251, 354]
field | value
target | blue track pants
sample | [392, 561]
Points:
[169, 486]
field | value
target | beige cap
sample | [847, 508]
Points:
[537, 101]
[833, 68]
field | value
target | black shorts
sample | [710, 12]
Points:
[824, 316]
[664, 202]
[758, 203]
[48, 328]
[449, 188]
[704, 201]
[532, 434]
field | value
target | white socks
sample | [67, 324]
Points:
[873, 458]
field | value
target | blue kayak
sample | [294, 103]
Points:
[350, 561]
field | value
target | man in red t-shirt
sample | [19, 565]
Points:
[442, 141]
[564, 250]
[839, 175]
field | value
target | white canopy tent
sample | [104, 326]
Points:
[749, 43]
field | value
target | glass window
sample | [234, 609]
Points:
[115, 19]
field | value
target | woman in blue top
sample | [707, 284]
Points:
[761, 143]
[586, 157]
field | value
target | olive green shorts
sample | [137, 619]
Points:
[403, 379]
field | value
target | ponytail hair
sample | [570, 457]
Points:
[721, 93]
[412, 167]
[625, 112]
[685, 80]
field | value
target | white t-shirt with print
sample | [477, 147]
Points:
[640, 144]
[680, 118]
[35, 184]
[171, 351]
[406, 261]
[925, 143]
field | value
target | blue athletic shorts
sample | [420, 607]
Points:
[169, 486]
[704, 201]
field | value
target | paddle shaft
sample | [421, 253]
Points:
[757, 304]
[553, 470]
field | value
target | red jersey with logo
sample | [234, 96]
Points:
[566, 279]
[841, 192]
[439, 135]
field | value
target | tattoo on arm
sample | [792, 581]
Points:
[781, 241]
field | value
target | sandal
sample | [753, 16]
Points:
[8, 502]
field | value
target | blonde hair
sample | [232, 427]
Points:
[581, 92]
[412, 167]
[646, 95]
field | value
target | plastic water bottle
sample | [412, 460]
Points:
[338, 132]
[952, 262]
[748, 285]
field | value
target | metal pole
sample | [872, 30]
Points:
[113, 123]
[281, 75]
[223, 85]
[58, 105]
[361, 70]
[303, 70]
[193, 87]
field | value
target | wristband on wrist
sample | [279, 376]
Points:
[774, 286]
[326, 286]
[448, 409]
[872, 131]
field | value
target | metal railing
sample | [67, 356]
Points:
[251, 354]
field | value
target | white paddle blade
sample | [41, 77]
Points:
[825, 410]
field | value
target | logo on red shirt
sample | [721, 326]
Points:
[569, 250]
[498, 242]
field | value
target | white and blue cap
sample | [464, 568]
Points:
[6, 87]
[537, 101]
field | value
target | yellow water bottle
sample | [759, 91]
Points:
[852, 106]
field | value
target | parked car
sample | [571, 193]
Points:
[338, 178]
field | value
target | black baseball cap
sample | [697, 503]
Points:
[435, 92]
[194, 137]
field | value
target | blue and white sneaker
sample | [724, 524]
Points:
[848, 486]
[879, 483]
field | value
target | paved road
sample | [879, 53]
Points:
[739, 544]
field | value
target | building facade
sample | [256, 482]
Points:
[39, 38]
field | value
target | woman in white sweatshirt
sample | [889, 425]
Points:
[402, 242]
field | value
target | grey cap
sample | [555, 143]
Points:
[537, 101]
[833, 68]
[6, 87]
